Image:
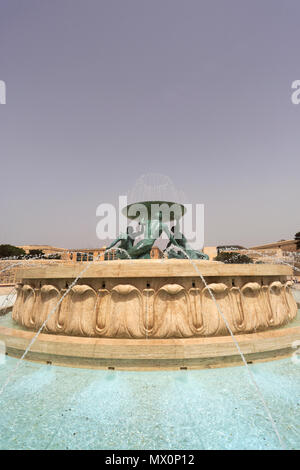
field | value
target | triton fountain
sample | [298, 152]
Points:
[153, 313]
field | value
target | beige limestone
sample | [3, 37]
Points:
[155, 299]
[150, 353]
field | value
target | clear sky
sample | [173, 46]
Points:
[102, 91]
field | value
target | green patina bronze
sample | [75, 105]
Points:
[184, 249]
[152, 216]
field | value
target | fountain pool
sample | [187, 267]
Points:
[50, 407]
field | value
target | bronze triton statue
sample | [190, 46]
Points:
[152, 216]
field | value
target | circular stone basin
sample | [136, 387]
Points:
[155, 299]
[156, 312]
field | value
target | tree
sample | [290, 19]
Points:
[231, 257]
[297, 237]
[36, 254]
[9, 251]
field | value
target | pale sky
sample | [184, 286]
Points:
[102, 91]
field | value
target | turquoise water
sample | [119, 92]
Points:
[48, 407]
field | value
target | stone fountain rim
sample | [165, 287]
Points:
[150, 354]
[154, 268]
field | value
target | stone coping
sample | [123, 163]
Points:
[151, 269]
[146, 354]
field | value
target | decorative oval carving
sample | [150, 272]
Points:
[18, 305]
[290, 300]
[48, 288]
[253, 304]
[212, 320]
[102, 312]
[279, 306]
[124, 289]
[171, 313]
[276, 287]
[27, 305]
[218, 289]
[148, 308]
[82, 305]
[196, 311]
[172, 289]
[251, 289]
[237, 316]
[82, 289]
[27, 288]
[63, 312]
[36, 309]
[266, 306]
[124, 315]
[48, 297]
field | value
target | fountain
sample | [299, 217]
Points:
[152, 313]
